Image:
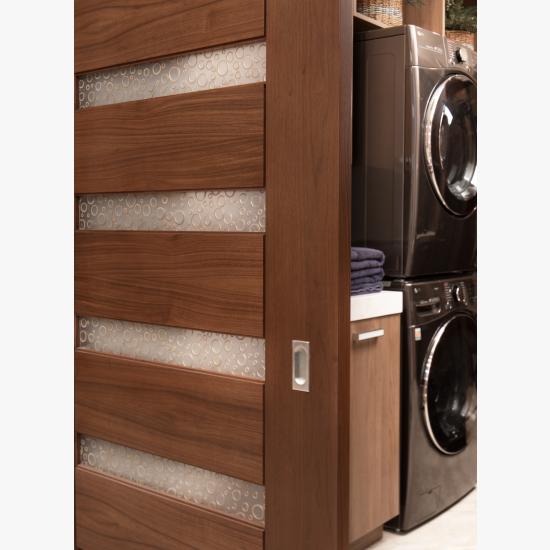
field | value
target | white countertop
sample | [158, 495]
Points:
[378, 304]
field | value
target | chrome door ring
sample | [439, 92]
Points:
[426, 378]
[428, 128]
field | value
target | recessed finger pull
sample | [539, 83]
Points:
[300, 365]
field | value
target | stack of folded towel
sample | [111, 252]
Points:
[366, 270]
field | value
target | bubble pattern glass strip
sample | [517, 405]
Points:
[234, 497]
[233, 210]
[223, 353]
[206, 70]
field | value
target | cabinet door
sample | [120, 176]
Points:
[374, 424]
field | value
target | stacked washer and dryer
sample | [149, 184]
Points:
[415, 198]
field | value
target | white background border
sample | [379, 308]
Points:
[36, 251]
[37, 271]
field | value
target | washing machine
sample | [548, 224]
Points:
[415, 151]
[439, 396]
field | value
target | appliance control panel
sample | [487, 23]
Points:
[431, 299]
[428, 299]
[460, 56]
[460, 292]
[456, 293]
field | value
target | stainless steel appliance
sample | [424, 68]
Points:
[439, 396]
[415, 151]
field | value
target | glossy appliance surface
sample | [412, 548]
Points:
[415, 151]
[439, 396]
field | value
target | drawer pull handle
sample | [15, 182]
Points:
[361, 336]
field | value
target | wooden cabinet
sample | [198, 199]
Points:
[374, 427]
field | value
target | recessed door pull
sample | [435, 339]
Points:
[300, 365]
[361, 336]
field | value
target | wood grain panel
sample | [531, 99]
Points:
[201, 140]
[199, 418]
[374, 426]
[308, 180]
[108, 32]
[115, 515]
[368, 540]
[204, 281]
[430, 15]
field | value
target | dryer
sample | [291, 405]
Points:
[415, 151]
[439, 396]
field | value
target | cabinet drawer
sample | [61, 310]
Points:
[374, 423]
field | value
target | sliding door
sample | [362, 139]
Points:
[169, 260]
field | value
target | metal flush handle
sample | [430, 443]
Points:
[300, 365]
[361, 336]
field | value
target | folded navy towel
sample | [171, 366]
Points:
[371, 279]
[371, 272]
[365, 264]
[362, 253]
[368, 288]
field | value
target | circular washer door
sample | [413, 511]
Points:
[449, 385]
[450, 143]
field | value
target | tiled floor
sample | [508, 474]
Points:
[453, 530]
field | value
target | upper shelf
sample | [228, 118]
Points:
[365, 23]
[429, 15]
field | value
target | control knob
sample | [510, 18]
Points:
[458, 294]
[461, 55]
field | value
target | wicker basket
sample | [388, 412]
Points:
[389, 12]
[462, 37]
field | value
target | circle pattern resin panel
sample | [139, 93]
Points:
[233, 210]
[237, 498]
[212, 351]
[206, 70]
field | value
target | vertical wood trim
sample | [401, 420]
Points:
[344, 314]
[308, 178]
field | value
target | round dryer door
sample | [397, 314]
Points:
[450, 143]
[449, 384]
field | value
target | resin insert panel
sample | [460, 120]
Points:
[223, 353]
[234, 497]
[216, 68]
[233, 210]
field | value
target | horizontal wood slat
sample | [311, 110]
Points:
[204, 419]
[116, 33]
[204, 281]
[115, 515]
[201, 140]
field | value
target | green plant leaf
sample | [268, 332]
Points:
[459, 17]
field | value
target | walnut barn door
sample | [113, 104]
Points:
[211, 231]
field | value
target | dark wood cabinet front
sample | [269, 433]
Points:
[374, 424]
